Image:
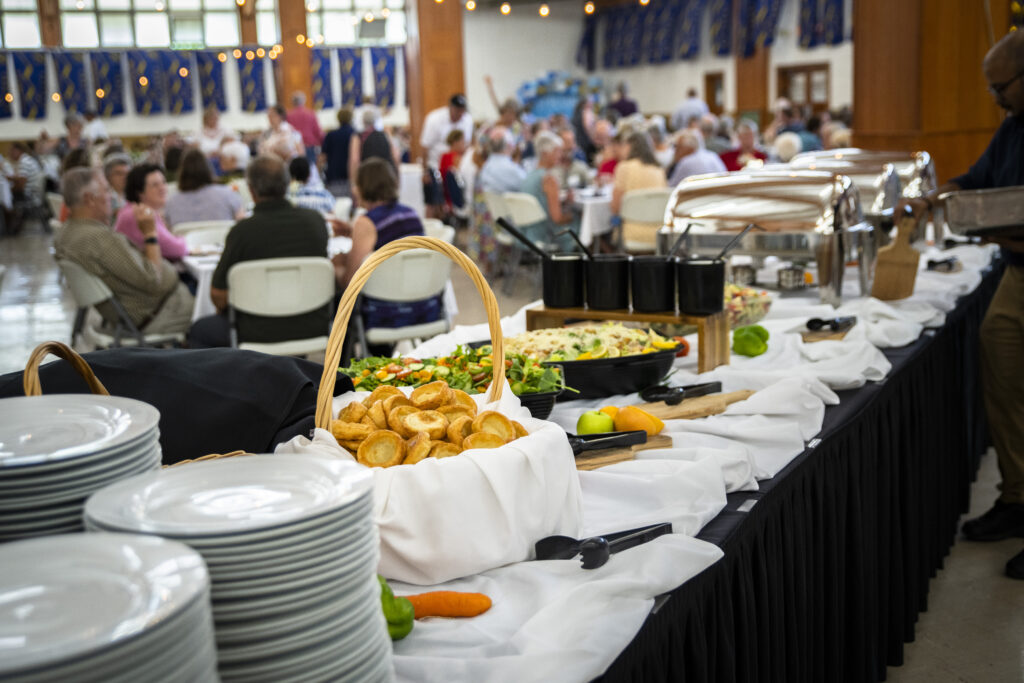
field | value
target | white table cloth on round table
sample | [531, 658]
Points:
[202, 267]
[410, 188]
[596, 218]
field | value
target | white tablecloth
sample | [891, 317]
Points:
[410, 188]
[552, 620]
[597, 215]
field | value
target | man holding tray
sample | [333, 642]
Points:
[1002, 332]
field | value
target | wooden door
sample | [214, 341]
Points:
[714, 91]
[806, 84]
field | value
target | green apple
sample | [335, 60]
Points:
[595, 422]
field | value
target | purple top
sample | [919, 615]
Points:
[172, 248]
[394, 221]
[208, 203]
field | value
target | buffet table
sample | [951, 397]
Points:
[826, 567]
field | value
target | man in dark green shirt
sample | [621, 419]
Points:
[275, 230]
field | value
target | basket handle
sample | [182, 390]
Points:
[325, 394]
[31, 376]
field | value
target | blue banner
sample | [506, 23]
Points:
[147, 77]
[250, 78]
[6, 96]
[586, 53]
[383, 61]
[756, 24]
[210, 68]
[350, 63]
[323, 98]
[70, 68]
[833, 22]
[30, 68]
[688, 36]
[721, 26]
[808, 27]
[614, 33]
[108, 81]
[649, 15]
[177, 68]
[666, 18]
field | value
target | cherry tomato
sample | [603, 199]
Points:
[684, 347]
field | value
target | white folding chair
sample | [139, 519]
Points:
[648, 207]
[209, 236]
[190, 226]
[56, 204]
[524, 209]
[409, 276]
[342, 208]
[496, 207]
[277, 288]
[433, 227]
[90, 291]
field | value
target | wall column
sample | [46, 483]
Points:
[752, 84]
[247, 22]
[917, 81]
[433, 61]
[295, 60]
[49, 23]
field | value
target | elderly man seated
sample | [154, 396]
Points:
[500, 173]
[275, 230]
[692, 158]
[146, 285]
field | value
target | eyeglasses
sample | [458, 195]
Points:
[998, 89]
[835, 324]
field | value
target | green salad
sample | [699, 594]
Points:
[466, 368]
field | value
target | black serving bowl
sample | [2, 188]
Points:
[603, 377]
[540, 404]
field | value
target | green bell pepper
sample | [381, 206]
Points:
[398, 612]
[751, 340]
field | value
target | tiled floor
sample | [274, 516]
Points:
[973, 631]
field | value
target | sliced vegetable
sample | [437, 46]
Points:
[449, 604]
[398, 611]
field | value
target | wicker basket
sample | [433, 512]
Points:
[31, 383]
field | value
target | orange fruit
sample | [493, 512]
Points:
[632, 418]
[610, 411]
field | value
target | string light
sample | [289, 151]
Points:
[158, 6]
[368, 18]
[505, 8]
[273, 55]
[300, 39]
[222, 57]
[240, 3]
[143, 81]
[439, 1]
[544, 10]
[249, 54]
[183, 72]
[260, 52]
[309, 42]
[319, 39]
[385, 13]
[8, 98]
[589, 8]
[55, 97]
[80, 4]
[237, 53]
[311, 7]
[471, 5]
[278, 48]
[644, 2]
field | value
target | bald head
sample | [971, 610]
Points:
[1004, 68]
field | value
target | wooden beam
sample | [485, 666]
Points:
[295, 61]
[247, 21]
[433, 52]
[752, 84]
[49, 22]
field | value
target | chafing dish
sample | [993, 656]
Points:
[915, 173]
[985, 212]
[806, 215]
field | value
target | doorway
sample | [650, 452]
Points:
[714, 92]
[806, 85]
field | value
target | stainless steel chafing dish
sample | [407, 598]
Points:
[915, 175]
[985, 212]
[807, 216]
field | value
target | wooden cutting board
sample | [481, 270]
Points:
[691, 408]
[825, 334]
[896, 267]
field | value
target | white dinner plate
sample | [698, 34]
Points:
[230, 495]
[126, 466]
[38, 429]
[235, 611]
[79, 492]
[77, 469]
[293, 621]
[65, 595]
[91, 460]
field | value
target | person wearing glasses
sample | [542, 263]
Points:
[1002, 332]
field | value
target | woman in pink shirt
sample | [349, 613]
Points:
[146, 186]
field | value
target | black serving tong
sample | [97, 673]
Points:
[840, 324]
[674, 395]
[594, 442]
[596, 550]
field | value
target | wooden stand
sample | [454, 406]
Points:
[712, 330]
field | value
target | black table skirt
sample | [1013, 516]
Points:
[823, 578]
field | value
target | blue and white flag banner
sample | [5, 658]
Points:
[250, 79]
[210, 69]
[383, 61]
[6, 96]
[323, 98]
[350, 63]
[178, 70]
[30, 70]
[108, 80]
[70, 70]
[147, 78]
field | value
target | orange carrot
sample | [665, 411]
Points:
[449, 604]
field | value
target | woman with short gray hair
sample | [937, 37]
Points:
[542, 182]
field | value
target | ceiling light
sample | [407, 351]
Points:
[544, 10]
[506, 8]
[589, 8]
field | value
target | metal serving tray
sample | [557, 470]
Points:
[985, 212]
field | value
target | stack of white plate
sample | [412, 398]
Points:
[292, 551]
[56, 450]
[104, 607]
